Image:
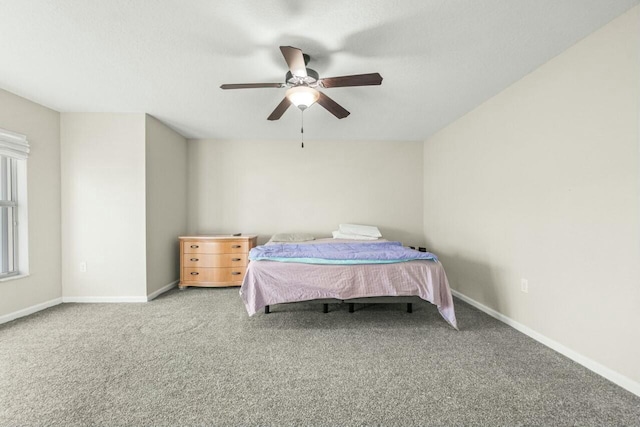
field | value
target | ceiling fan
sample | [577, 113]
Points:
[303, 83]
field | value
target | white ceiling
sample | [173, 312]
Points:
[439, 58]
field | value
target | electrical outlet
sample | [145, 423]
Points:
[83, 267]
[524, 285]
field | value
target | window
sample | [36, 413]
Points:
[8, 217]
[14, 150]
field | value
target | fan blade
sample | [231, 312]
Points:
[332, 106]
[295, 60]
[280, 109]
[251, 85]
[355, 80]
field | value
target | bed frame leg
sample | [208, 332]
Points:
[351, 307]
[409, 307]
[266, 309]
[325, 308]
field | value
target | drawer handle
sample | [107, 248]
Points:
[194, 273]
[235, 273]
[194, 259]
[195, 246]
[236, 246]
[236, 259]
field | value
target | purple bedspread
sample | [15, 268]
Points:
[340, 253]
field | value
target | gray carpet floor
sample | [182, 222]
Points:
[194, 357]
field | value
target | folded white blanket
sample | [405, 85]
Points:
[361, 230]
[339, 235]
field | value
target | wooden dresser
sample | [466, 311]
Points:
[212, 261]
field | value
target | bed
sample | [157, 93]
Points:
[272, 280]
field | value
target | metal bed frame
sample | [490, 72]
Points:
[409, 300]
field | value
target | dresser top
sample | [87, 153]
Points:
[220, 237]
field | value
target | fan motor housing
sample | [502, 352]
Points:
[312, 78]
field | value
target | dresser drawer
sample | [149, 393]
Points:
[214, 275]
[216, 247]
[214, 260]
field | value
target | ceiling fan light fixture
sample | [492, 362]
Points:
[303, 82]
[302, 97]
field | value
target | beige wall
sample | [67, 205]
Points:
[166, 202]
[103, 205]
[267, 187]
[542, 182]
[42, 128]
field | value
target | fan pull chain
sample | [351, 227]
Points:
[302, 128]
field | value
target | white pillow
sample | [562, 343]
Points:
[339, 235]
[292, 237]
[362, 230]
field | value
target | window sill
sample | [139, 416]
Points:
[16, 277]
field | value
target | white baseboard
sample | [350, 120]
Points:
[38, 307]
[611, 375]
[162, 290]
[103, 299]
[117, 299]
[29, 310]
